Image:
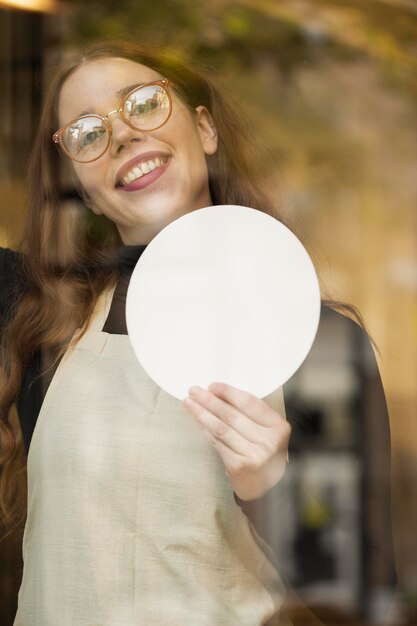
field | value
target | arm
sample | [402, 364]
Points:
[336, 406]
[379, 571]
[11, 289]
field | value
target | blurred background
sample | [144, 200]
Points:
[330, 89]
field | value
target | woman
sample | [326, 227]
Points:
[136, 513]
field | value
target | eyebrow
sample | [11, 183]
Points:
[125, 90]
[121, 93]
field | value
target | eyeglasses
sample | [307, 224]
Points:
[145, 108]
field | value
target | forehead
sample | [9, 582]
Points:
[94, 85]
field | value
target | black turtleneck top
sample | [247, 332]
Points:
[336, 406]
[116, 319]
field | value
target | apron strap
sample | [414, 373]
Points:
[98, 317]
[102, 309]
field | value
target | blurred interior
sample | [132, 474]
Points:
[330, 89]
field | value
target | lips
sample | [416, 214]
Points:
[145, 180]
[141, 158]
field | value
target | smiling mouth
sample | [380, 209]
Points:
[142, 169]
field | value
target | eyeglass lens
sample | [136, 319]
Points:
[146, 108]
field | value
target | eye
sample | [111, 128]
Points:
[140, 106]
[86, 138]
[148, 107]
[90, 137]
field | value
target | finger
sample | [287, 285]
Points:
[219, 430]
[244, 425]
[248, 404]
[231, 460]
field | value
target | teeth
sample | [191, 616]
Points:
[144, 168]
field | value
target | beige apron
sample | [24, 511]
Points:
[131, 519]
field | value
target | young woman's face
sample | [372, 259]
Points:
[178, 186]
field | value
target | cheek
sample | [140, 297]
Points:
[77, 175]
[196, 156]
[88, 180]
[201, 169]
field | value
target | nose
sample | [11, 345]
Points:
[122, 133]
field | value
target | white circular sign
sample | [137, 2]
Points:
[223, 294]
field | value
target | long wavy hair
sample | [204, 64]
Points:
[68, 255]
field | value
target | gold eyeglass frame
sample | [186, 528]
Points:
[57, 137]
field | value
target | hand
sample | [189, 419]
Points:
[249, 436]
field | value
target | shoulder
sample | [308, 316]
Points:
[339, 373]
[10, 261]
[10, 279]
[344, 339]
[338, 321]
[9, 258]
[338, 366]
